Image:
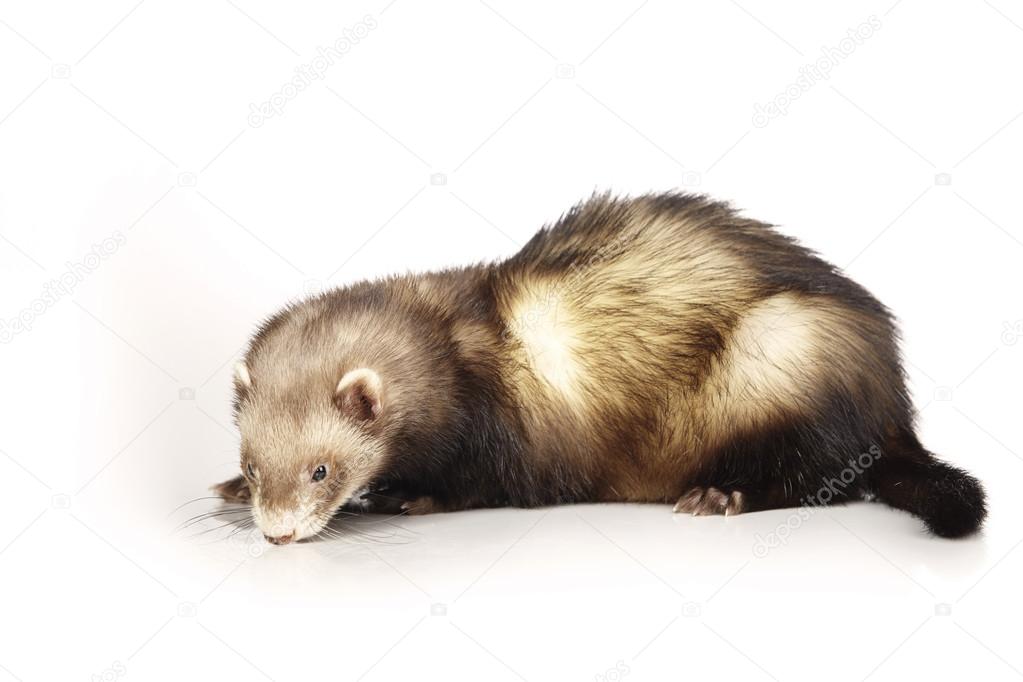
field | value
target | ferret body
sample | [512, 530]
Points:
[656, 349]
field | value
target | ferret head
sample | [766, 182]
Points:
[307, 444]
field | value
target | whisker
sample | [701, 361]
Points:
[245, 525]
[215, 528]
[241, 527]
[386, 519]
[350, 532]
[210, 515]
[222, 507]
[198, 499]
[217, 516]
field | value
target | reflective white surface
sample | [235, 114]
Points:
[561, 593]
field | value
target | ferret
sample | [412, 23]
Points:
[657, 349]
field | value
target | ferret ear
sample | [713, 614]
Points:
[233, 490]
[242, 380]
[359, 394]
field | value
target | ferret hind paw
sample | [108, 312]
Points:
[710, 501]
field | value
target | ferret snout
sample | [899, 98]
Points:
[277, 528]
[280, 539]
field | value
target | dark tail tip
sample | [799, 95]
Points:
[959, 505]
[950, 501]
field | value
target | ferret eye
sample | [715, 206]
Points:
[320, 473]
[250, 470]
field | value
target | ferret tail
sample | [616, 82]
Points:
[950, 501]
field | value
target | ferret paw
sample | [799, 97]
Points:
[710, 501]
[420, 506]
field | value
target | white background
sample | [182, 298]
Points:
[132, 122]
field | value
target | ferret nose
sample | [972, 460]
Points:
[280, 539]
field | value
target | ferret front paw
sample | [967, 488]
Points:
[421, 505]
[710, 501]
